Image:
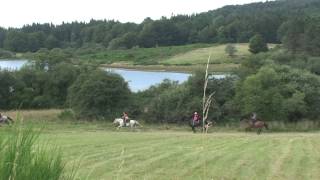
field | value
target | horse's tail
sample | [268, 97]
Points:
[138, 124]
[266, 126]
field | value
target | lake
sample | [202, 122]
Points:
[138, 80]
[141, 80]
[12, 64]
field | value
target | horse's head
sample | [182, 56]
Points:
[212, 123]
[245, 118]
[116, 120]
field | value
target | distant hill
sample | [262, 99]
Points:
[235, 24]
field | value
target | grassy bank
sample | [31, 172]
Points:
[218, 68]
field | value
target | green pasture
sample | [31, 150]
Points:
[217, 52]
[183, 155]
[164, 152]
[173, 58]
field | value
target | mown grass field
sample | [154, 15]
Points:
[152, 152]
[183, 155]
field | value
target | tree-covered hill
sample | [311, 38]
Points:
[236, 23]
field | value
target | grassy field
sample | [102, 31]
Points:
[137, 56]
[168, 153]
[176, 58]
[183, 155]
[217, 52]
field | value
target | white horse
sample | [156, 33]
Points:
[132, 123]
[6, 119]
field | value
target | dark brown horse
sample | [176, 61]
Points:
[258, 124]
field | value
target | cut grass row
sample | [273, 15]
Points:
[160, 155]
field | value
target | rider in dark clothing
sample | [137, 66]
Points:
[253, 118]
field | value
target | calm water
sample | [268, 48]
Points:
[137, 80]
[141, 80]
[12, 64]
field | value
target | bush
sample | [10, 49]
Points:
[66, 114]
[6, 54]
[257, 44]
[280, 93]
[99, 94]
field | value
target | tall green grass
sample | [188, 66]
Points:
[23, 158]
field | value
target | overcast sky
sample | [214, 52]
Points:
[16, 13]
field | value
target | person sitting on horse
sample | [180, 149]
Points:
[253, 118]
[196, 118]
[5, 119]
[125, 118]
[2, 118]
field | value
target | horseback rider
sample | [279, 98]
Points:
[125, 118]
[5, 119]
[253, 118]
[2, 118]
[196, 118]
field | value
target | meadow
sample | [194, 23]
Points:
[175, 58]
[170, 152]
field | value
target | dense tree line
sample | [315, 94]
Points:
[227, 24]
[52, 81]
[278, 85]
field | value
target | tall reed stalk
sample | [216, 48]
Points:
[206, 101]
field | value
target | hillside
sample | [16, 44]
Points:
[233, 24]
[177, 58]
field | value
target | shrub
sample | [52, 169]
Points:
[99, 94]
[257, 44]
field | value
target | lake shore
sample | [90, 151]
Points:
[216, 68]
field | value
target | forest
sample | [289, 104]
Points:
[280, 84]
[229, 24]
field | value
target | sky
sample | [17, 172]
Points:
[16, 13]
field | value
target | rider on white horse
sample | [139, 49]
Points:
[132, 123]
[125, 118]
[5, 119]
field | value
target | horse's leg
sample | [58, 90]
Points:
[259, 130]
[120, 125]
[193, 129]
[138, 124]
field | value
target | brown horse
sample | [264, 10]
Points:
[258, 124]
[207, 125]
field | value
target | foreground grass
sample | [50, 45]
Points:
[172, 155]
